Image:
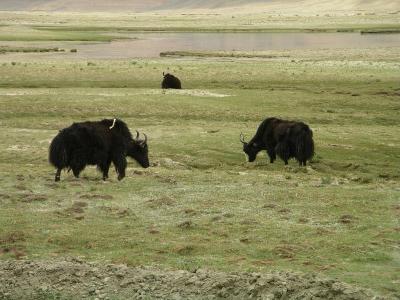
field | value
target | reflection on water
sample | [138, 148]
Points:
[151, 44]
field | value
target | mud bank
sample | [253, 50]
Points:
[76, 279]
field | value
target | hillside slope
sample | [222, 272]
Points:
[289, 6]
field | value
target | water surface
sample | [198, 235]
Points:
[151, 44]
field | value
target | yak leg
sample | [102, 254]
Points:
[58, 174]
[77, 169]
[77, 164]
[304, 163]
[282, 149]
[103, 162]
[104, 167]
[120, 164]
[272, 155]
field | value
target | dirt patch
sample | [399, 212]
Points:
[20, 177]
[346, 219]
[28, 198]
[4, 196]
[13, 243]
[75, 279]
[387, 93]
[184, 249]
[119, 212]
[285, 251]
[12, 238]
[20, 187]
[96, 196]
[76, 210]
[190, 212]
[186, 224]
[166, 179]
[269, 205]
[160, 202]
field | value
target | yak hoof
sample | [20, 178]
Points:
[57, 179]
[120, 177]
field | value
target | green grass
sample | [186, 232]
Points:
[87, 25]
[29, 34]
[201, 204]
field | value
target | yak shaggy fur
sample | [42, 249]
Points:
[96, 143]
[287, 139]
[171, 82]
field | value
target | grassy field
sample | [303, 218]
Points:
[201, 204]
[90, 26]
[30, 34]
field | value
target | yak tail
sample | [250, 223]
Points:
[305, 144]
[58, 153]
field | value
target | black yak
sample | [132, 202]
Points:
[287, 139]
[97, 143]
[170, 82]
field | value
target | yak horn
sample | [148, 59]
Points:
[137, 135]
[113, 124]
[242, 138]
[145, 139]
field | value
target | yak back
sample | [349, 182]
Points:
[107, 134]
[281, 130]
[266, 132]
[119, 126]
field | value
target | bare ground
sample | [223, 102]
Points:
[74, 278]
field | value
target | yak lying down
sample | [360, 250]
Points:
[97, 143]
[170, 82]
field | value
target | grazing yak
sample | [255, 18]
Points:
[97, 143]
[287, 139]
[170, 82]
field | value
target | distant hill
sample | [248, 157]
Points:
[80, 5]
[151, 5]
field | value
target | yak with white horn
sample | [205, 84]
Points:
[97, 143]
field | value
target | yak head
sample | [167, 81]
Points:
[250, 149]
[139, 150]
